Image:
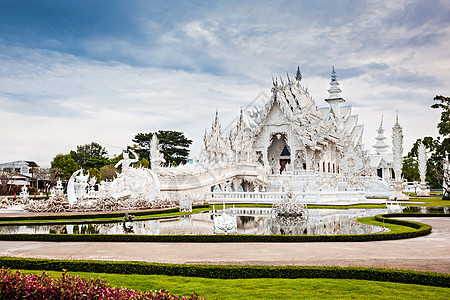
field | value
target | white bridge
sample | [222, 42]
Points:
[249, 211]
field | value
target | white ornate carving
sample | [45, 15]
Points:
[24, 193]
[156, 157]
[422, 164]
[397, 149]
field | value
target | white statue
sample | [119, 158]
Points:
[77, 186]
[422, 164]
[156, 157]
[24, 193]
[397, 149]
[224, 223]
[126, 161]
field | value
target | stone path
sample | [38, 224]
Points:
[428, 253]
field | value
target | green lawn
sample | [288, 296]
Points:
[270, 288]
[392, 227]
[429, 201]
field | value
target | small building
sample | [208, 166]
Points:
[22, 171]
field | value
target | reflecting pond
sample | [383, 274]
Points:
[248, 221]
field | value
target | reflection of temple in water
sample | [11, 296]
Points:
[315, 222]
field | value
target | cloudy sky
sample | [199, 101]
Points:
[73, 72]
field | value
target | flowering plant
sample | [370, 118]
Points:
[14, 285]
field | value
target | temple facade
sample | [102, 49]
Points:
[315, 153]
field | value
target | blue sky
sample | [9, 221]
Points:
[72, 72]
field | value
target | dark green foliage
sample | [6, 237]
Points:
[444, 104]
[64, 165]
[434, 163]
[410, 169]
[173, 144]
[91, 155]
[229, 272]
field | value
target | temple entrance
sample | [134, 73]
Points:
[278, 153]
[283, 163]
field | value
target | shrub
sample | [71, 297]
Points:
[229, 271]
[14, 285]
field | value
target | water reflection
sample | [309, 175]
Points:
[426, 210]
[316, 222]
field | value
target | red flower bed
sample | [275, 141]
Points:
[14, 285]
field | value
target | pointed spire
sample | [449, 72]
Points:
[241, 116]
[216, 120]
[381, 129]
[380, 145]
[298, 76]
[334, 89]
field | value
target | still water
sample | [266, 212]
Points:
[248, 221]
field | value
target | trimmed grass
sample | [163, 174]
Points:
[267, 288]
[347, 207]
[392, 227]
[429, 201]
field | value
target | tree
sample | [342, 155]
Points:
[443, 149]
[66, 165]
[91, 155]
[174, 145]
[95, 172]
[108, 173]
[444, 124]
[143, 163]
[410, 168]
[5, 177]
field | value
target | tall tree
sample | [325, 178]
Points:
[5, 178]
[66, 164]
[410, 168]
[91, 155]
[174, 145]
[443, 149]
[444, 124]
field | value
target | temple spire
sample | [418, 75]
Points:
[334, 88]
[380, 145]
[335, 99]
[298, 76]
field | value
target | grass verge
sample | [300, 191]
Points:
[228, 271]
[269, 288]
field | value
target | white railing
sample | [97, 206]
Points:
[245, 197]
[350, 196]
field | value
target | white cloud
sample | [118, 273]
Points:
[383, 64]
[107, 104]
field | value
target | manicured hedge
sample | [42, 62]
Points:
[421, 229]
[229, 272]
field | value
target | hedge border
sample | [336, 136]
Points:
[229, 271]
[421, 230]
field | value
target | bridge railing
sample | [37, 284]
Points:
[245, 197]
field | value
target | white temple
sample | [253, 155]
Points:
[288, 149]
[289, 144]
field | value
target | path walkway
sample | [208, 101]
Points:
[428, 253]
